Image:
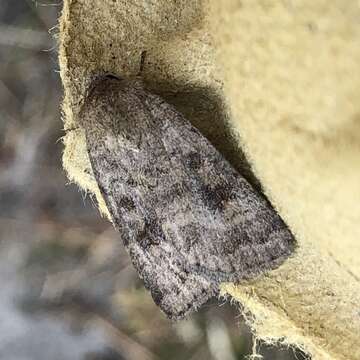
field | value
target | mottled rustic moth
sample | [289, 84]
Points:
[188, 220]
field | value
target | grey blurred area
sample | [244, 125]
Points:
[68, 290]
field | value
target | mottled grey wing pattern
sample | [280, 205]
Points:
[188, 220]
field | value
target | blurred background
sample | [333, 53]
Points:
[68, 290]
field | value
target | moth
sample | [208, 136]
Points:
[188, 220]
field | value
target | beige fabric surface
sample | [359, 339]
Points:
[285, 76]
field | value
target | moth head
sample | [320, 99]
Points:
[112, 104]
